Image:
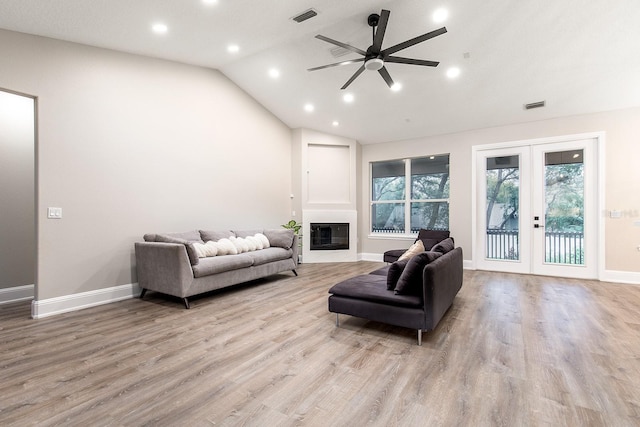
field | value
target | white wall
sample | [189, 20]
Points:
[130, 145]
[17, 191]
[622, 177]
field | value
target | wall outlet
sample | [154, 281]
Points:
[54, 213]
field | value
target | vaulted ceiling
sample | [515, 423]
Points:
[579, 56]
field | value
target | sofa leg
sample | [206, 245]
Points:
[186, 303]
[144, 291]
[295, 272]
[419, 336]
[337, 320]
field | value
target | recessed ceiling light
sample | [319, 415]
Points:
[159, 28]
[210, 1]
[432, 157]
[348, 97]
[274, 73]
[440, 15]
[309, 108]
[233, 48]
[453, 72]
[396, 87]
[335, 123]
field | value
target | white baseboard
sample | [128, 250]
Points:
[630, 277]
[370, 257]
[64, 304]
[467, 264]
[16, 293]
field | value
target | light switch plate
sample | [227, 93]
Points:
[54, 213]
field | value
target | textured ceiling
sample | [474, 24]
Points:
[580, 56]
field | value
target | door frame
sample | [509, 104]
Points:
[599, 164]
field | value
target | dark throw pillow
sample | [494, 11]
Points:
[410, 281]
[430, 238]
[394, 272]
[445, 246]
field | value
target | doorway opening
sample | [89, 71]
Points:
[18, 228]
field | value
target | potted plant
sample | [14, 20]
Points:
[293, 225]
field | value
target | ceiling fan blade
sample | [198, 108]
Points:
[385, 75]
[355, 75]
[413, 41]
[410, 61]
[381, 28]
[351, 61]
[344, 45]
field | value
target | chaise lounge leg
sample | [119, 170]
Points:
[337, 320]
[419, 336]
[144, 291]
[295, 272]
[186, 303]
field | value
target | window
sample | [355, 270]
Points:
[410, 194]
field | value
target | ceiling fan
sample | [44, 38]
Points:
[375, 57]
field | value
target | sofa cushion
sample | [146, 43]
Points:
[431, 237]
[445, 246]
[191, 250]
[215, 235]
[191, 236]
[410, 281]
[394, 273]
[264, 256]
[219, 264]
[282, 238]
[414, 250]
[381, 271]
[373, 287]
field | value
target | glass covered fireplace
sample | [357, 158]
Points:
[329, 236]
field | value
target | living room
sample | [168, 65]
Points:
[128, 144]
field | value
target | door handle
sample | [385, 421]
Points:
[538, 226]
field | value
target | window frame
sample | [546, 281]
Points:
[407, 201]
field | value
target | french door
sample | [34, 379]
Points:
[536, 209]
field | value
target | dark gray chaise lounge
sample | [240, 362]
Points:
[367, 296]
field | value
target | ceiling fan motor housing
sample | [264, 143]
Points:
[374, 64]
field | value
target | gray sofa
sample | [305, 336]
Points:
[172, 263]
[430, 280]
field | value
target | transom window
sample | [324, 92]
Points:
[410, 194]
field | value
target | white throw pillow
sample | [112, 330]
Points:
[263, 239]
[205, 250]
[226, 247]
[252, 242]
[236, 242]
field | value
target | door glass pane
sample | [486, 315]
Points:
[502, 204]
[564, 207]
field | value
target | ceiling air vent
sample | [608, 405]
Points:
[338, 51]
[305, 15]
[533, 105]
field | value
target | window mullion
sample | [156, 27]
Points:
[407, 196]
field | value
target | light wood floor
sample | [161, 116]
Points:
[512, 351]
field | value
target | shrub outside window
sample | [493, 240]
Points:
[410, 194]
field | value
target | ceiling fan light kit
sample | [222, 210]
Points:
[374, 57]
